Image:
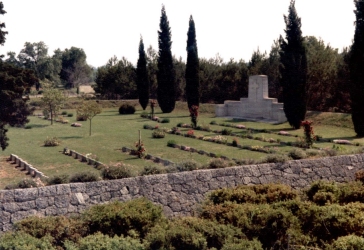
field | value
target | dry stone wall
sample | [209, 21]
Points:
[177, 193]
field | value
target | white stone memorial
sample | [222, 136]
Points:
[257, 107]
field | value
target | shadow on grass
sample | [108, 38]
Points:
[38, 125]
[70, 137]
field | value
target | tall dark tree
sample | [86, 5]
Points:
[166, 74]
[2, 25]
[142, 79]
[293, 69]
[192, 67]
[356, 64]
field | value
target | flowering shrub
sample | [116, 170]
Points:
[158, 133]
[51, 142]
[140, 149]
[308, 132]
[190, 133]
[194, 115]
[219, 139]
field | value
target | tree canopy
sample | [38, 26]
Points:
[142, 79]
[293, 69]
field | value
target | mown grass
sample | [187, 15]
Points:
[111, 131]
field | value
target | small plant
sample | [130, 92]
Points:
[165, 120]
[194, 114]
[297, 154]
[58, 179]
[171, 143]
[175, 130]
[213, 122]
[188, 165]
[84, 177]
[235, 142]
[51, 142]
[118, 171]
[64, 113]
[179, 125]
[144, 114]
[28, 126]
[158, 133]
[70, 115]
[25, 183]
[226, 131]
[220, 163]
[140, 149]
[150, 170]
[147, 126]
[126, 109]
[308, 133]
[275, 158]
[190, 133]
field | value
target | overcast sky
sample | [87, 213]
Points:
[232, 28]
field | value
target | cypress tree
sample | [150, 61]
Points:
[166, 75]
[293, 69]
[192, 67]
[356, 64]
[142, 77]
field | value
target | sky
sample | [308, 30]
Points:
[230, 28]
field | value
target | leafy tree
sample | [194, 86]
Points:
[53, 100]
[293, 69]
[116, 80]
[89, 110]
[14, 83]
[356, 65]
[152, 64]
[142, 79]
[166, 73]
[2, 25]
[180, 70]
[75, 70]
[192, 67]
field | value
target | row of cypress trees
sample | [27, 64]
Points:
[166, 92]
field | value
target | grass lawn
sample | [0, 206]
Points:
[111, 132]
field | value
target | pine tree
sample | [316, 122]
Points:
[356, 64]
[192, 67]
[293, 69]
[166, 75]
[142, 79]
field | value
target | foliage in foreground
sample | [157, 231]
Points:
[326, 215]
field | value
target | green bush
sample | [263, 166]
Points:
[319, 190]
[116, 172]
[58, 228]
[25, 183]
[158, 133]
[220, 163]
[28, 126]
[150, 170]
[105, 242]
[58, 179]
[132, 218]
[188, 165]
[267, 193]
[64, 113]
[213, 122]
[70, 115]
[348, 242]
[81, 118]
[144, 114]
[171, 143]
[165, 120]
[147, 126]
[297, 154]
[275, 158]
[51, 142]
[126, 109]
[243, 244]
[226, 131]
[84, 177]
[23, 241]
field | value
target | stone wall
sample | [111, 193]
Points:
[177, 193]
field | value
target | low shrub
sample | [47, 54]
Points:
[20, 240]
[226, 131]
[132, 218]
[235, 142]
[51, 142]
[126, 109]
[144, 114]
[165, 120]
[158, 133]
[70, 115]
[64, 113]
[188, 165]
[352, 242]
[58, 179]
[220, 163]
[171, 143]
[28, 126]
[213, 122]
[119, 171]
[84, 177]
[297, 154]
[25, 183]
[150, 170]
[275, 158]
[322, 192]
[147, 126]
[81, 118]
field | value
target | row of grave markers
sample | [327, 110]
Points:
[32, 171]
